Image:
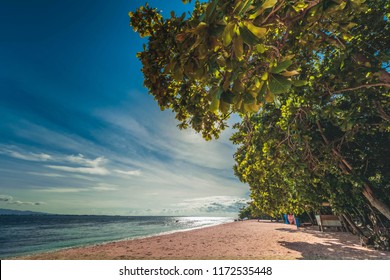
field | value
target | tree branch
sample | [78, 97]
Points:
[382, 112]
[274, 10]
[335, 152]
[304, 12]
[360, 87]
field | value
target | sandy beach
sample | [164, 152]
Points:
[236, 240]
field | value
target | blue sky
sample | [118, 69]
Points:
[78, 132]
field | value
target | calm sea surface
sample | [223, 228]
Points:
[23, 235]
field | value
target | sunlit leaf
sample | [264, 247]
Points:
[269, 97]
[227, 35]
[261, 48]
[299, 6]
[299, 83]
[259, 32]
[248, 37]
[289, 73]
[268, 4]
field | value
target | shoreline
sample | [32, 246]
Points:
[232, 240]
[86, 246]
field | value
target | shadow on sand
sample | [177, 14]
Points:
[336, 246]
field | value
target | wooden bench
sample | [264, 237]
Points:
[325, 221]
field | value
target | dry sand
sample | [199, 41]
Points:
[236, 240]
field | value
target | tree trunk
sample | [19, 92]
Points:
[311, 219]
[376, 203]
[355, 229]
[347, 168]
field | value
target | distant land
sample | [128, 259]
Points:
[19, 212]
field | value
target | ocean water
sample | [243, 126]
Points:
[25, 234]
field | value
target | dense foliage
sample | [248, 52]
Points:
[310, 81]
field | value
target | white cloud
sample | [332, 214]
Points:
[126, 123]
[85, 170]
[53, 175]
[29, 156]
[105, 187]
[99, 187]
[183, 145]
[18, 202]
[56, 175]
[213, 204]
[83, 177]
[10, 200]
[148, 165]
[6, 198]
[61, 190]
[88, 166]
[129, 173]
[71, 142]
[81, 160]
[39, 203]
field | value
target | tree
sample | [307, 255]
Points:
[245, 212]
[310, 81]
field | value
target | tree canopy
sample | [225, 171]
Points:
[310, 80]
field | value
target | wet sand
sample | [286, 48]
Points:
[236, 240]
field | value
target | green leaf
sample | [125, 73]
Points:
[281, 66]
[259, 32]
[224, 107]
[238, 45]
[268, 4]
[227, 35]
[228, 97]
[300, 6]
[260, 48]
[299, 83]
[248, 98]
[214, 106]
[262, 92]
[358, 2]
[269, 97]
[289, 73]
[252, 108]
[238, 87]
[211, 8]
[248, 37]
[177, 73]
[226, 83]
[246, 7]
[278, 84]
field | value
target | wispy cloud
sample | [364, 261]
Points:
[183, 145]
[18, 202]
[100, 187]
[6, 198]
[129, 170]
[82, 160]
[86, 166]
[10, 200]
[61, 190]
[214, 204]
[25, 156]
[53, 175]
[105, 187]
[96, 170]
[129, 173]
